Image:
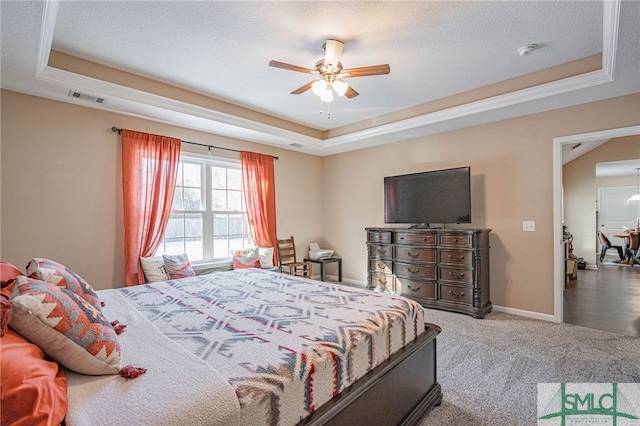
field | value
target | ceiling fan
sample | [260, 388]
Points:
[331, 74]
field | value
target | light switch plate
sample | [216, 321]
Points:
[528, 225]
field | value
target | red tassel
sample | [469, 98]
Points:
[102, 303]
[117, 327]
[131, 372]
[5, 314]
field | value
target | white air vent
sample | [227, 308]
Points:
[296, 145]
[84, 97]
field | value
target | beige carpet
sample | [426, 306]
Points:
[489, 369]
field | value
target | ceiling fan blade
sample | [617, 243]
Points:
[364, 71]
[351, 93]
[332, 52]
[303, 89]
[285, 66]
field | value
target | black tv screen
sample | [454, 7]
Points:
[439, 196]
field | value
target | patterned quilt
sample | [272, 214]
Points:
[286, 344]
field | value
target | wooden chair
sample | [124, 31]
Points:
[606, 244]
[634, 246]
[288, 261]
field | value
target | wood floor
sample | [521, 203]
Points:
[606, 299]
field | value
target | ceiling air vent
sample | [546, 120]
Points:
[84, 97]
[296, 145]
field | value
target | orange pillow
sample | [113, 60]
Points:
[8, 272]
[34, 389]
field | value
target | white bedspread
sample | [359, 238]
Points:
[178, 389]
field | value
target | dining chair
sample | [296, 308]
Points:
[606, 244]
[632, 252]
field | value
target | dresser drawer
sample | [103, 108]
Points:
[412, 238]
[424, 289]
[415, 254]
[381, 282]
[380, 265]
[381, 251]
[379, 236]
[456, 257]
[408, 270]
[463, 276]
[456, 240]
[452, 293]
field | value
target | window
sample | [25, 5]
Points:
[208, 216]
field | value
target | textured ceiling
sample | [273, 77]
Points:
[222, 49]
[435, 49]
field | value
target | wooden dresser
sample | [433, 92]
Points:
[439, 268]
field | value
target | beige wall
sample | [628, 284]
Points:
[61, 188]
[581, 191]
[512, 180]
[61, 185]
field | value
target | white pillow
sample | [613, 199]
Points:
[178, 266]
[154, 269]
[266, 257]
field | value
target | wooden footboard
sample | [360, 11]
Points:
[400, 391]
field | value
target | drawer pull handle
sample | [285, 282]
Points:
[413, 271]
[460, 275]
[382, 251]
[414, 255]
[424, 239]
[382, 265]
[457, 296]
[455, 240]
[413, 289]
[456, 259]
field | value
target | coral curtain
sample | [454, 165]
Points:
[149, 171]
[258, 179]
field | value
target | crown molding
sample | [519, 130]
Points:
[219, 122]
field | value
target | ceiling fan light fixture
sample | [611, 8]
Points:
[340, 87]
[318, 87]
[327, 94]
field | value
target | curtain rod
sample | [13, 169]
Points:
[119, 131]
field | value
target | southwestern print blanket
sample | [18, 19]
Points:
[285, 344]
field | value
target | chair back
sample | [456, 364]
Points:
[634, 241]
[286, 251]
[604, 240]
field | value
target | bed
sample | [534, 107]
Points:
[252, 346]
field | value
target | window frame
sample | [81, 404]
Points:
[206, 162]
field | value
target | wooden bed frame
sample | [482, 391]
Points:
[400, 391]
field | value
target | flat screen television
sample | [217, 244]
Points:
[433, 197]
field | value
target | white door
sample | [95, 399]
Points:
[615, 211]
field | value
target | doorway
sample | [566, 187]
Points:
[558, 247]
[615, 213]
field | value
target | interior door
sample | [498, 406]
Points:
[616, 212]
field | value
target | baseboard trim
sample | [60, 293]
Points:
[523, 313]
